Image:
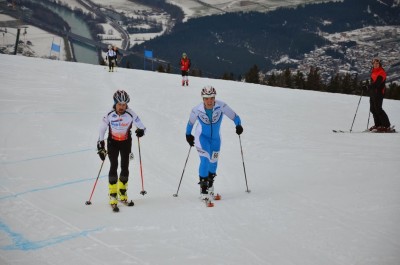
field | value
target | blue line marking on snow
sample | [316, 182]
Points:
[43, 157]
[21, 243]
[47, 188]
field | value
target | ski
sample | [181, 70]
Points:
[216, 197]
[115, 208]
[128, 203]
[391, 130]
[208, 202]
[341, 131]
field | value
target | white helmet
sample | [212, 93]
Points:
[208, 92]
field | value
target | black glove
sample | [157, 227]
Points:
[364, 88]
[239, 129]
[190, 139]
[139, 132]
[101, 150]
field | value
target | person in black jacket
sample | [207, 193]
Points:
[110, 57]
[376, 95]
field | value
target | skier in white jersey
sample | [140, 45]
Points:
[207, 138]
[111, 56]
[119, 123]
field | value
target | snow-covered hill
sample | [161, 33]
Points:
[317, 197]
[195, 8]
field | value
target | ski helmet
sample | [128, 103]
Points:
[121, 97]
[208, 92]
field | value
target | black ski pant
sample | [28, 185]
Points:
[380, 116]
[111, 62]
[115, 148]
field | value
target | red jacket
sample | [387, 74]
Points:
[185, 64]
[378, 80]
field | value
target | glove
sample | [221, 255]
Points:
[190, 139]
[139, 132]
[101, 150]
[239, 129]
[364, 88]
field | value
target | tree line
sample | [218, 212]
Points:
[344, 84]
[339, 83]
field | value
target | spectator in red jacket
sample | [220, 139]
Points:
[185, 68]
[376, 95]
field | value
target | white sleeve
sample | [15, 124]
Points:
[230, 113]
[136, 120]
[103, 127]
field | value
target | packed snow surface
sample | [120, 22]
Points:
[316, 197]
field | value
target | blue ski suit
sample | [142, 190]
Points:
[207, 133]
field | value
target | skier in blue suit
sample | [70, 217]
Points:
[207, 138]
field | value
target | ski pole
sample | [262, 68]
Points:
[244, 168]
[369, 114]
[89, 201]
[184, 167]
[143, 192]
[351, 128]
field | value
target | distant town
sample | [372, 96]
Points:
[352, 52]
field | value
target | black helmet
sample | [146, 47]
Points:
[121, 97]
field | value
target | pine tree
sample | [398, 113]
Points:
[393, 91]
[287, 78]
[334, 84]
[271, 81]
[299, 81]
[314, 80]
[346, 84]
[252, 76]
[228, 76]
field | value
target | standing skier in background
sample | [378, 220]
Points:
[376, 95]
[207, 137]
[110, 57]
[185, 67]
[119, 122]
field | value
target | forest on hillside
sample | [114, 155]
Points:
[233, 42]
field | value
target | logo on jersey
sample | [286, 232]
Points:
[215, 117]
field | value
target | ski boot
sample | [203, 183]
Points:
[203, 188]
[112, 188]
[122, 193]
[211, 177]
[204, 196]
[122, 190]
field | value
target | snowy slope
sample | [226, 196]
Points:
[317, 197]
